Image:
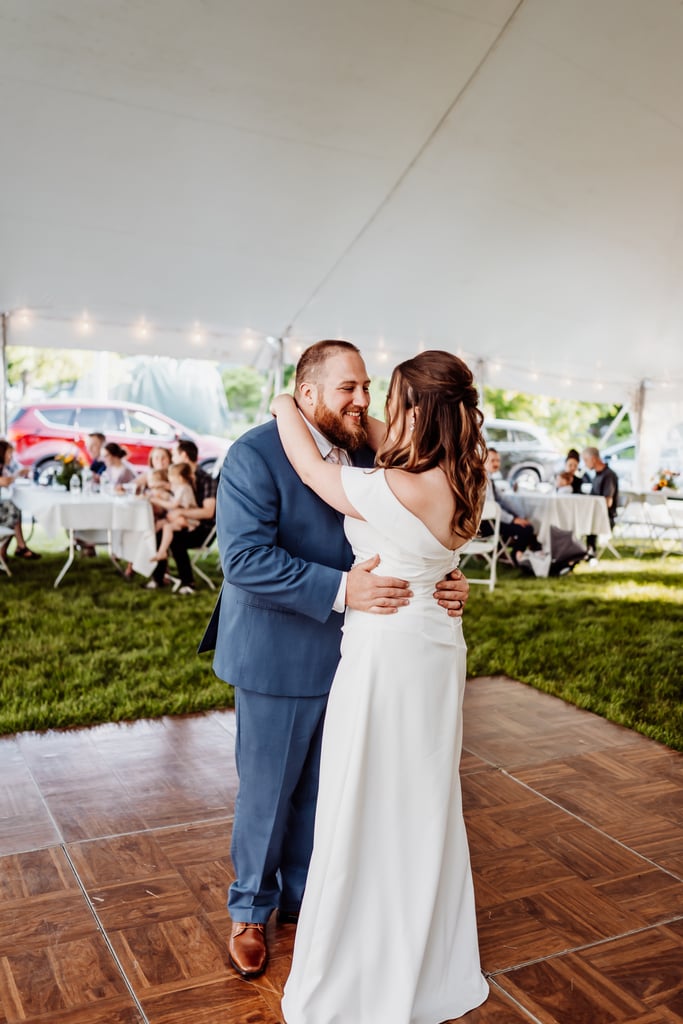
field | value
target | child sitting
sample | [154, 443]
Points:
[176, 506]
[158, 489]
[563, 483]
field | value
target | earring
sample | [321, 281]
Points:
[412, 423]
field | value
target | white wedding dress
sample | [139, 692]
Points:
[387, 932]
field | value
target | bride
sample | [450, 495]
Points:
[387, 931]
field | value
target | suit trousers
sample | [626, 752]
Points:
[277, 750]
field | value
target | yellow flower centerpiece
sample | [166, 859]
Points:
[71, 466]
[665, 478]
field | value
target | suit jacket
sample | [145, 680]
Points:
[283, 551]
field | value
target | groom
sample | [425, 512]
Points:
[276, 631]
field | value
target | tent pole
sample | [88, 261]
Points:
[277, 365]
[3, 374]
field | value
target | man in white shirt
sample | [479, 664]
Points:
[513, 528]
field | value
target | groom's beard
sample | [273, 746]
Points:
[347, 434]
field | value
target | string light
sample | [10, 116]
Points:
[142, 329]
[197, 336]
[223, 344]
[84, 324]
[249, 340]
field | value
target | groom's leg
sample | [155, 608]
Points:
[274, 736]
[298, 844]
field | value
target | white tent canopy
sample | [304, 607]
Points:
[497, 177]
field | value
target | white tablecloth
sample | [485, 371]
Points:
[581, 514]
[95, 517]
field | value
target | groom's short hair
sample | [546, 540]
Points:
[314, 357]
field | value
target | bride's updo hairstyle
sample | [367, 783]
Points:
[445, 431]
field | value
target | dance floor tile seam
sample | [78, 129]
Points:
[566, 811]
[576, 836]
[586, 947]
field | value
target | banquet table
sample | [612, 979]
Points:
[123, 522]
[581, 514]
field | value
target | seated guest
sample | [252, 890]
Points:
[158, 458]
[571, 465]
[94, 444]
[179, 507]
[513, 528]
[158, 492]
[117, 471]
[10, 515]
[14, 467]
[205, 488]
[606, 483]
[563, 482]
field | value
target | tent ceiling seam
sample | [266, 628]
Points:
[406, 171]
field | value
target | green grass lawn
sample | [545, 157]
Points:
[99, 649]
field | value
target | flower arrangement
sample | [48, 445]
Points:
[665, 478]
[71, 466]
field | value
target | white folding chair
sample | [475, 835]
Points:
[6, 533]
[487, 547]
[195, 557]
[200, 553]
[637, 520]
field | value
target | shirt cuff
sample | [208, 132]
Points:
[340, 600]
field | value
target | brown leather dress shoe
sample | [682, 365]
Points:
[247, 948]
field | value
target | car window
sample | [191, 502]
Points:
[145, 423]
[102, 418]
[496, 433]
[525, 437]
[59, 417]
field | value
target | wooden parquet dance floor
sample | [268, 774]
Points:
[114, 865]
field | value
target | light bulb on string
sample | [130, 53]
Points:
[24, 317]
[248, 341]
[197, 335]
[142, 329]
[84, 324]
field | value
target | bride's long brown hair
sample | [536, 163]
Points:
[445, 432]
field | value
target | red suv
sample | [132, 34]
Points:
[41, 431]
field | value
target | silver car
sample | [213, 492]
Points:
[527, 455]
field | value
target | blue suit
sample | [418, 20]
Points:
[277, 640]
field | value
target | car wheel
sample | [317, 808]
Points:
[43, 472]
[208, 466]
[526, 478]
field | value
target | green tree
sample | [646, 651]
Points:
[46, 368]
[244, 390]
[569, 423]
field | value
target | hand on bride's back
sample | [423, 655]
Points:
[367, 592]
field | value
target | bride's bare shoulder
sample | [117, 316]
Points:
[418, 488]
